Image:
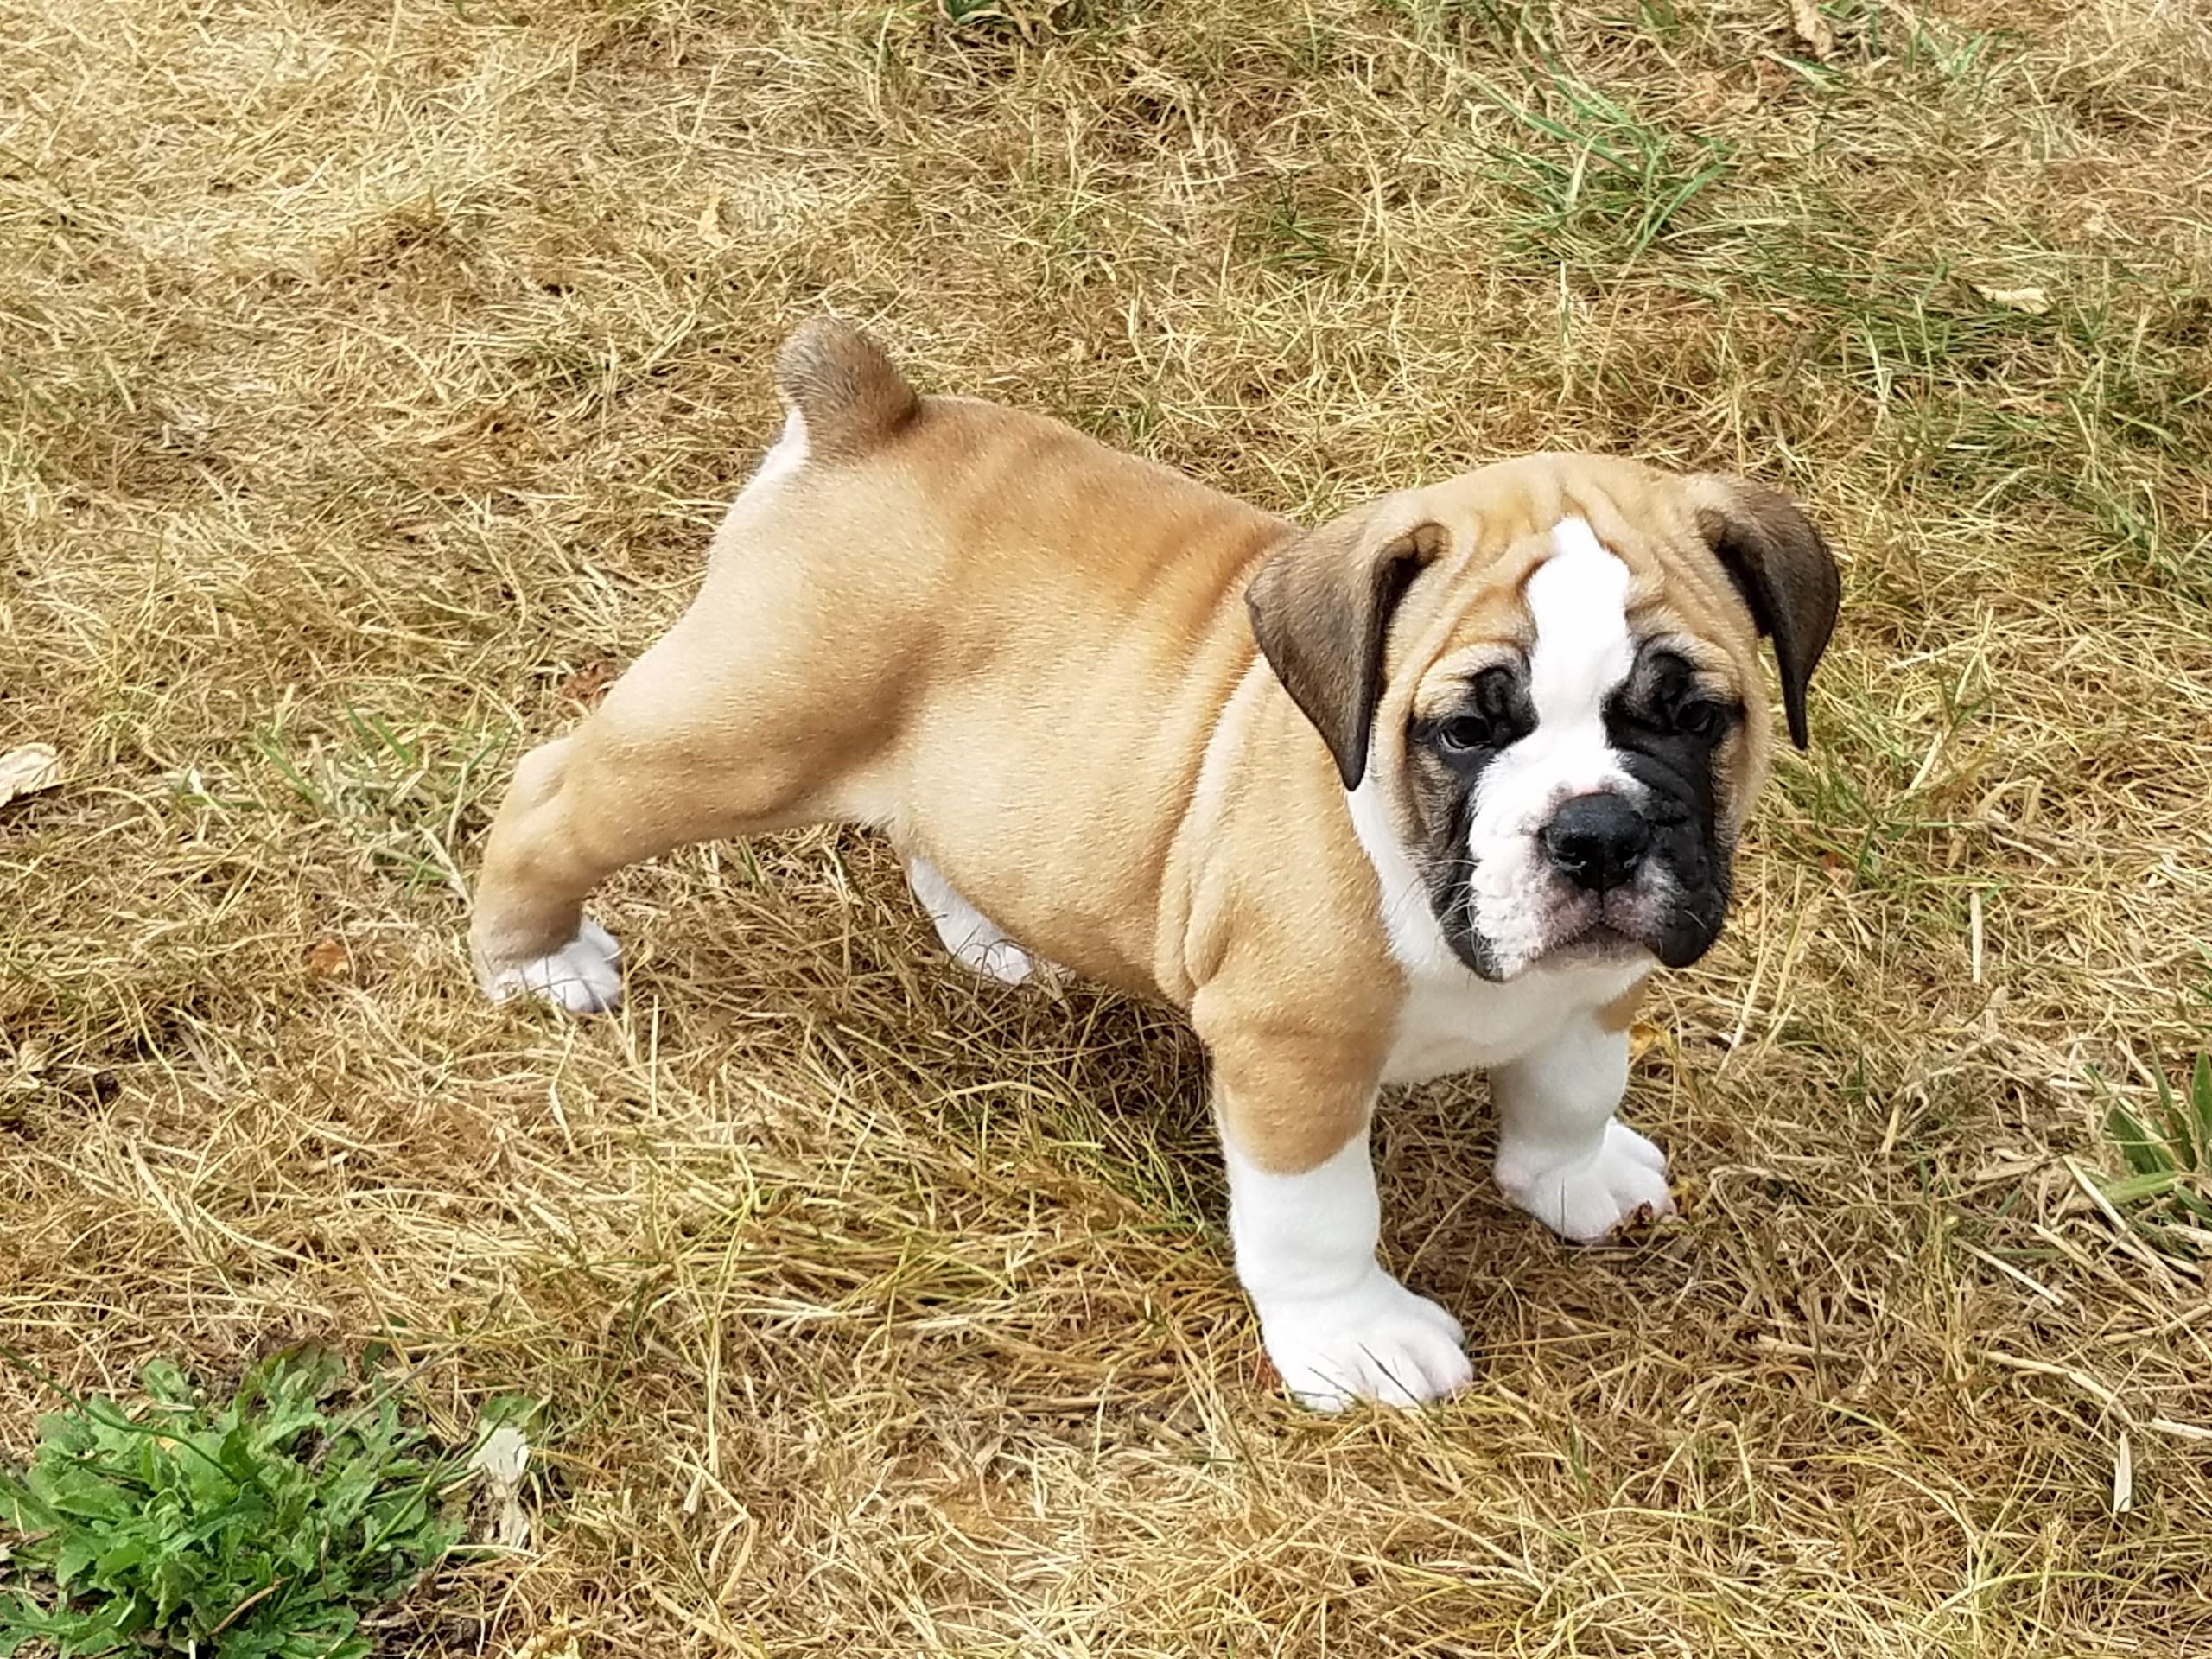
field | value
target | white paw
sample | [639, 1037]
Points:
[584, 975]
[1585, 1198]
[976, 942]
[1377, 1341]
[998, 958]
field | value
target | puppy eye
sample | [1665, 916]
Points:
[1701, 718]
[1487, 721]
[1464, 733]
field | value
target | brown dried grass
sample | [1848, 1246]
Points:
[392, 361]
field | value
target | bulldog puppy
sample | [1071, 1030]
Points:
[1433, 786]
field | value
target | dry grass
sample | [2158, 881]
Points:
[369, 375]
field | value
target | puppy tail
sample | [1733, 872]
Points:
[845, 388]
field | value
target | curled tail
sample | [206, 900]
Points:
[844, 387]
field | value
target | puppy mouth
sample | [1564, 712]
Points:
[1595, 940]
[1657, 916]
[1674, 926]
[1585, 934]
[1586, 929]
[1589, 931]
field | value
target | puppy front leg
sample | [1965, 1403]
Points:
[1338, 1327]
[1304, 1220]
[1561, 1153]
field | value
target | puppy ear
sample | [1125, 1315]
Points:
[1321, 610]
[1783, 569]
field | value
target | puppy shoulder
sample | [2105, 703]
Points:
[1284, 921]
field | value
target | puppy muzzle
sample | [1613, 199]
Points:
[1621, 876]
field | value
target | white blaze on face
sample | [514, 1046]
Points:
[1578, 600]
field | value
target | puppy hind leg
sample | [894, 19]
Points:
[529, 935]
[687, 748]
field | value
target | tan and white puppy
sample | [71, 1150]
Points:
[1431, 787]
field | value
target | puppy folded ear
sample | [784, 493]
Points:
[1783, 569]
[1321, 610]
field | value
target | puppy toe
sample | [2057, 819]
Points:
[1377, 1341]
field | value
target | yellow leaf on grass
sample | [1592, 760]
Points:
[2033, 301]
[1811, 28]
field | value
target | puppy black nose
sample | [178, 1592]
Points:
[1597, 841]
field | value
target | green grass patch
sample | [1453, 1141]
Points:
[263, 1527]
[1591, 183]
[404, 790]
[2167, 1148]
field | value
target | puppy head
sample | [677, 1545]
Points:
[1544, 677]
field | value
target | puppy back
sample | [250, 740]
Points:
[845, 388]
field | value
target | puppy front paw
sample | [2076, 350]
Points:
[583, 977]
[1377, 1341]
[1585, 1196]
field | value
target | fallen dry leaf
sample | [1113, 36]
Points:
[2033, 301]
[1811, 28]
[710, 218]
[26, 771]
[327, 958]
[588, 685]
[1642, 1036]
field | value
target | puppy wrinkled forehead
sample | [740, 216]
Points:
[1558, 615]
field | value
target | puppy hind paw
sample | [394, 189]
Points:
[583, 977]
[976, 943]
[998, 958]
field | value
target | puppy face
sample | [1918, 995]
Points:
[1570, 773]
[1564, 723]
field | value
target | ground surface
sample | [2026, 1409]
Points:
[370, 376]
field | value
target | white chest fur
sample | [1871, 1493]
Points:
[1453, 1020]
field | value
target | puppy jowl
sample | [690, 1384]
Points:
[1432, 787]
